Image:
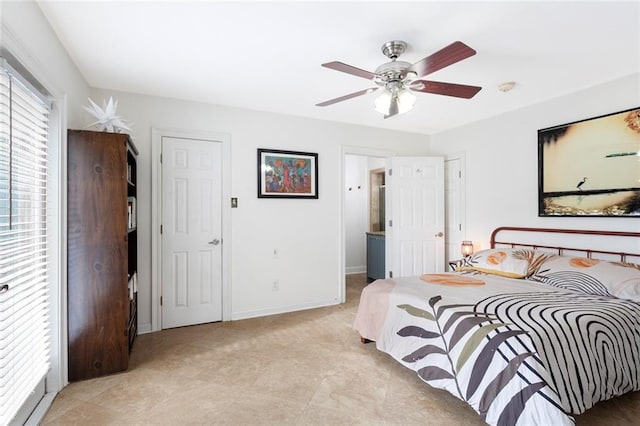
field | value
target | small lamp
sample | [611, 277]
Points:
[467, 248]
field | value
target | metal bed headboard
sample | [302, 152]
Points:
[588, 251]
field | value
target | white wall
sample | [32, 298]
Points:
[306, 232]
[27, 35]
[502, 160]
[356, 217]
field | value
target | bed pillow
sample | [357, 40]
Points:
[506, 262]
[592, 276]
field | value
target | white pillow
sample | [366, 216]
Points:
[592, 276]
[506, 262]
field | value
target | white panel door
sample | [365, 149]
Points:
[415, 215]
[191, 232]
[453, 208]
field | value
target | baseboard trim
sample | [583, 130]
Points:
[41, 409]
[281, 310]
[144, 328]
[355, 269]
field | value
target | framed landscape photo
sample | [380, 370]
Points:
[591, 167]
[287, 174]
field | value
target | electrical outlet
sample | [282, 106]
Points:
[276, 285]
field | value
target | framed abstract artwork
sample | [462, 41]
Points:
[591, 167]
[287, 174]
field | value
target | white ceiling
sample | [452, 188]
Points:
[266, 55]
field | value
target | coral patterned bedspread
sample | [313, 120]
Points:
[517, 351]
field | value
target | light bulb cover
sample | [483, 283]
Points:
[394, 92]
[406, 100]
[383, 100]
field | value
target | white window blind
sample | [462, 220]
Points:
[24, 281]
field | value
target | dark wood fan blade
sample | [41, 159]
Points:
[447, 89]
[449, 55]
[340, 66]
[345, 97]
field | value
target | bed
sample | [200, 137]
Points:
[524, 332]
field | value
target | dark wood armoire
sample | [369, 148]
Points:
[102, 252]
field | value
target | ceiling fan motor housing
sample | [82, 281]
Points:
[392, 70]
[393, 49]
[395, 70]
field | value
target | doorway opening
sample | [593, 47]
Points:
[361, 210]
[364, 207]
[454, 211]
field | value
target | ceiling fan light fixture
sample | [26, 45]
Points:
[389, 94]
[406, 100]
[383, 100]
[409, 77]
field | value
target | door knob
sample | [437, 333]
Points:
[439, 234]
[214, 242]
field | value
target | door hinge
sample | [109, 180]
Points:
[459, 227]
[161, 158]
[390, 172]
[460, 174]
[160, 229]
[390, 274]
[390, 223]
[160, 300]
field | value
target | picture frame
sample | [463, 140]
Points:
[591, 168]
[287, 174]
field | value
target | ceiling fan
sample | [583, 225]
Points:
[396, 80]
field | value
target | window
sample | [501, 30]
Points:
[24, 276]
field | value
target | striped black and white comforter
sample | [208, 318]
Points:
[519, 352]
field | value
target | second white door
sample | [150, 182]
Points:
[191, 231]
[415, 216]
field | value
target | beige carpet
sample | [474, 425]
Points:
[303, 368]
